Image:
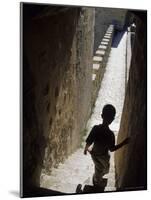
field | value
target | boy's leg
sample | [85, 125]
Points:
[101, 168]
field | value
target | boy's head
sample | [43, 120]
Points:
[108, 113]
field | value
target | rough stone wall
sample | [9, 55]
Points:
[57, 70]
[83, 47]
[103, 18]
[130, 161]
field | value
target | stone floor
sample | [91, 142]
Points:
[78, 168]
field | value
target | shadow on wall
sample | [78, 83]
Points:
[117, 38]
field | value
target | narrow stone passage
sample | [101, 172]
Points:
[79, 168]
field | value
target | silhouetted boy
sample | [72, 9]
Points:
[103, 141]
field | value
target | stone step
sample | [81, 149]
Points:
[100, 52]
[111, 27]
[104, 43]
[93, 77]
[103, 47]
[96, 66]
[108, 34]
[97, 59]
[105, 40]
[108, 37]
[109, 30]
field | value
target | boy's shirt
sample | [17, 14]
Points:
[103, 139]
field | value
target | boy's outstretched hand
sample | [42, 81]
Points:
[126, 141]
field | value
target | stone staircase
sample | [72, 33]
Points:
[100, 60]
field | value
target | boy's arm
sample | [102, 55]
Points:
[89, 140]
[118, 146]
[86, 148]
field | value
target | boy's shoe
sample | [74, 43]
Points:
[78, 189]
[101, 183]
